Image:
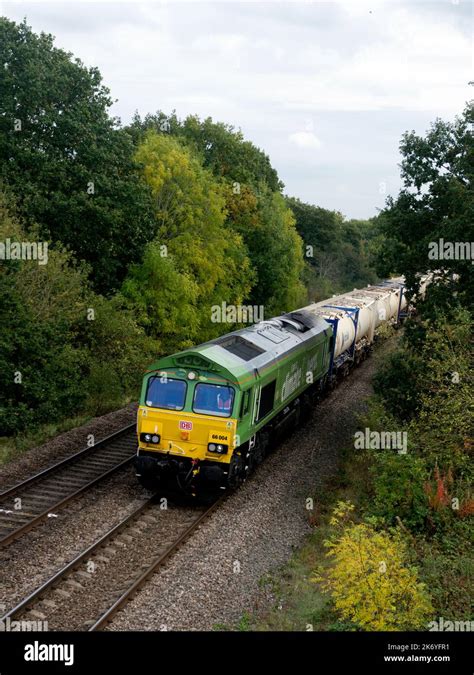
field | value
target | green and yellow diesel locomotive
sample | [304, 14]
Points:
[209, 414]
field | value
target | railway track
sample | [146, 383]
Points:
[24, 505]
[88, 592]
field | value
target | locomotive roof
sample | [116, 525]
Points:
[250, 350]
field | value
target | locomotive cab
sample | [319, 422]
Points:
[187, 429]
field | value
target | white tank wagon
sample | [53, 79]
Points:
[385, 296]
[356, 315]
[399, 282]
[398, 302]
[365, 319]
[386, 302]
[366, 316]
[353, 324]
[346, 326]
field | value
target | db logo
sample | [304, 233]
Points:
[187, 426]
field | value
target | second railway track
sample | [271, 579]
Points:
[24, 505]
[86, 594]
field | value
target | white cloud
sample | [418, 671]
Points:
[305, 139]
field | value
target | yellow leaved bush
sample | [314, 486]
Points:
[370, 580]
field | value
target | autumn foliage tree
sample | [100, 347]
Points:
[253, 207]
[195, 262]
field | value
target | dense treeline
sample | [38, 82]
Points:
[415, 507]
[433, 212]
[341, 254]
[149, 227]
[255, 248]
[63, 348]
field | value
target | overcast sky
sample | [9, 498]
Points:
[324, 88]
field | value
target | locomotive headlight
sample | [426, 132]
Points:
[219, 449]
[150, 438]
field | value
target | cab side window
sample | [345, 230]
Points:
[267, 398]
[245, 405]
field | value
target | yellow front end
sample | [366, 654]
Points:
[186, 434]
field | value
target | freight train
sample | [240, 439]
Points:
[208, 415]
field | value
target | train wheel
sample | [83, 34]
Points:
[237, 472]
[260, 449]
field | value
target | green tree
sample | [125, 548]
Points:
[164, 300]
[67, 161]
[444, 427]
[275, 248]
[427, 390]
[222, 149]
[436, 202]
[253, 203]
[63, 349]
